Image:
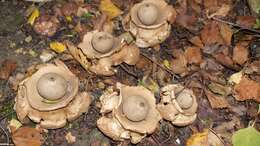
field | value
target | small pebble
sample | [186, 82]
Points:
[28, 39]
[46, 55]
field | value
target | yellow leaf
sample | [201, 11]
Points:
[33, 16]
[69, 18]
[14, 125]
[167, 64]
[205, 138]
[107, 7]
[57, 47]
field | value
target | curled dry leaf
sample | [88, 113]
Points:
[8, 66]
[241, 53]
[247, 89]
[216, 101]
[26, 136]
[226, 33]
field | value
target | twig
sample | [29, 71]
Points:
[7, 136]
[158, 64]
[236, 25]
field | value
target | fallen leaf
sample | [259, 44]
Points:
[246, 21]
[253, 67]
[167, 64]
[210, 34]
[216, 101]
[219, 89]
[35, 14]
[205, 138]
[107, 7]
[247, 89]
[8, 66]
[70, 138]
[26, 136]
[179, 65]
[241, 53]
[224, 59]
[226, 33]
[196, 41]
[187, 21]
[57, 47]
[14, 125]
[222, 11]
[193, 55]
[246, 137]
[235, 78]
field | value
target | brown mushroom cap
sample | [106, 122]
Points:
[135, 108]
[52, 86]
[102, 42]
[148, 13]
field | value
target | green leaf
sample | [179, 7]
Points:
[246, 137]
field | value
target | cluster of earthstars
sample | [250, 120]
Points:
[51, 97]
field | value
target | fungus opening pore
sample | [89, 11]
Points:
[148, 13]
[102, 42]
[185, 100]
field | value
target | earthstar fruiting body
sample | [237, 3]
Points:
[51, 109]
[178, 105]
[134, 113]
[149, 21]
[100, 51]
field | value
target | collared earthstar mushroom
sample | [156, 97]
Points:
[134, 113]
[107, 54]
[178, 105]
[97, 44]
[50, 97]
[149, 21]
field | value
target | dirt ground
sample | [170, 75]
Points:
[20, 43]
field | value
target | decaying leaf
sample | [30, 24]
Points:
[193, 55]
[57, 47]
[219, 89]
[107, 7]
[246, 137]
[222, 11]
[226, 33]
[211, 34]
[27, 136]
[247, 89]
[8, 66]
[216, 101]
[246, 21]
[241, 53]
[196, 41]
[205, 138]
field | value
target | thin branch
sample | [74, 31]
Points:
[127, 71]
[236, 25]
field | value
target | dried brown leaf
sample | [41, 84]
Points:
[247, 89]
[246, 21]
[211, 34]
[224, 59]
[26, 136]
[8, 66]
[226, 33]
[216, 101]
[222, 11]
[193, 55]
[187, 21]
[196, 41]
[179, 65]
[240, 53]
